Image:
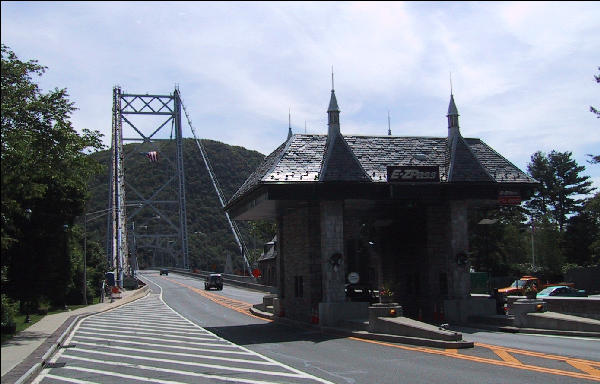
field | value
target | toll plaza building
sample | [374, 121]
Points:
[391, 211]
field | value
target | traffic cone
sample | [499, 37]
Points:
[314, 319]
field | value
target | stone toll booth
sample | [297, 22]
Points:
[391, 209]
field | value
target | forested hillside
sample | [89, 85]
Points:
[209, 237]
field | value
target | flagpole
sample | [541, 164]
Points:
[532, 244]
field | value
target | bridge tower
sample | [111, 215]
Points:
[156, 221]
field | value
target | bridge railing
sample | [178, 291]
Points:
[241, 281]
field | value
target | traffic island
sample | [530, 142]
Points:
[388, 319]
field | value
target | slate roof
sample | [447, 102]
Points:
[300, 160]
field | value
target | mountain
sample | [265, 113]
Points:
[210, 240]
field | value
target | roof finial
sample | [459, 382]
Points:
[332, 87]
[389, 125]
[451, 91]
[290, 134]
[304, 126]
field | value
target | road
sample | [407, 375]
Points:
[183, 334]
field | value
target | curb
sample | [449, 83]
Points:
[37, 367]
[367, 335]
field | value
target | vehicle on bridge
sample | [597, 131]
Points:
[214, 280]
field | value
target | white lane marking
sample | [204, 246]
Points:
[69, 380]
[162, 345]
[146, 325]
[239, 346]
[138, 335]
[147, 329]
[192, 363]
[167, 352]
[157, 369]
[222, 351]
[122, 333]
[122, 375]
[148, 320]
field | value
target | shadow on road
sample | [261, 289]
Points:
[270, 333]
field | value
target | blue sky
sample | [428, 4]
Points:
[522, 72]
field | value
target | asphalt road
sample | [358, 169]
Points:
[179, 306]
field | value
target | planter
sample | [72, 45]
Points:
[386, 299]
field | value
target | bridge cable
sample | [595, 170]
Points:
[215, 182]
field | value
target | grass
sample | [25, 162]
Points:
[34, 318]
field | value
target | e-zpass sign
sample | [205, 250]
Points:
[413, 174]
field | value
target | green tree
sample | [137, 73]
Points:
[581, 242]
[45, 171]
[561, 183]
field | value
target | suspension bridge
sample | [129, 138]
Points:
[141, 119]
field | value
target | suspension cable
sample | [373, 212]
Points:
[215, 182]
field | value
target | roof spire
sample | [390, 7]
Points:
[453, 128]
[451, 92]
[332, 87]
[389, 125]
[333, 113]
[289, 123]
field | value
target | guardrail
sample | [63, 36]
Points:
[242, 281]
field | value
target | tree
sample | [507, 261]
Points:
[561, 181]
[45, 171]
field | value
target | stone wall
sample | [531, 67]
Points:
[332, 251]
[299, 259]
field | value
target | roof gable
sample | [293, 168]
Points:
[464, 165]
[340, 163]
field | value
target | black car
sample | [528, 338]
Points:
[214, 280]
[361, 292]
[164, 272]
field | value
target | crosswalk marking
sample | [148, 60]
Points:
[165, 346]
[168, 352]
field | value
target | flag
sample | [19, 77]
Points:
[153, 156]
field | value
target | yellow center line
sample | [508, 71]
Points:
[585, 368]
[506, 356]
[539, 354]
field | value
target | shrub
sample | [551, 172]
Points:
[9, 310]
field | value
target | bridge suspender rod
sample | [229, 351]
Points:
[234, 228]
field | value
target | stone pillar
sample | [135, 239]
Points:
[332, 251]
[459, 246]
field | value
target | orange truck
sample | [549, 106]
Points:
[518, 287]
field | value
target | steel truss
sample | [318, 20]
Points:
[169, 235]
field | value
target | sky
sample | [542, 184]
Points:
[522, 73]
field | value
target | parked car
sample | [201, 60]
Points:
[360, 292]
[164, 272]
[214, 280]
[561, 291]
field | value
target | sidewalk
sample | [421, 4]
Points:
[28, 349]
